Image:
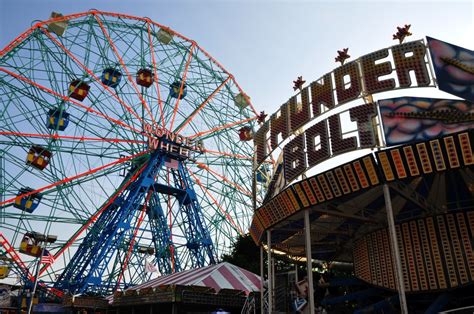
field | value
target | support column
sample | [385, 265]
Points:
[262, 280]
[269, 271]
[296, 272]
[395, 251]
[273, 274]
[309, 261]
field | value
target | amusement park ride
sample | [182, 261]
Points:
[121, 136]
[402, 214]
[134, 146]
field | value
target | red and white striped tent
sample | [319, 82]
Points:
[220, 276]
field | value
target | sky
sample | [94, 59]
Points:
[267, 44]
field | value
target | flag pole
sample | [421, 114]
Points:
[30, 305]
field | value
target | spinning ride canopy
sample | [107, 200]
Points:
[432, 195]
[428, 180]
[140, 129]
[220, 276]
[430, 175]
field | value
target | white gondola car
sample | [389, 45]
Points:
[57, 27]
[164, 36]
[241, 101]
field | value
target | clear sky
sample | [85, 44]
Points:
[267, 44]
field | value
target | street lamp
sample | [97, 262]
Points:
[39, 238]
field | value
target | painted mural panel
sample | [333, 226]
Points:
[412, 119]
[454, 68]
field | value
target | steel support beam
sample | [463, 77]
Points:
[262, 279]
[269, 272]
[395, 250]
[309, 260]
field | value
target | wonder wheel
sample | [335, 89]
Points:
[123, 144]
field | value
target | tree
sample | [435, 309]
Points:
[245, 254]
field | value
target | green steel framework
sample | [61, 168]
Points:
[104, 135]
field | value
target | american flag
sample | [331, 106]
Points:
[149, 267]
[47, 258]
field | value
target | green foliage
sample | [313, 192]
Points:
[245, 254]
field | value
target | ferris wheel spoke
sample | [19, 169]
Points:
[183, 82]
[91, 151]
[222, 127]
[222, 210]
[129, 77]
[68, 137]
[78, 187]
[75, 177]
[233, 197]
[221, 177]
[155, 74]
[23, 117]
[226, 192]
[32, 217]
[201, 106]
[73, 204]
[226, 154]
[91, 73]
[68, 99]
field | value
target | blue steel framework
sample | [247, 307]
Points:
[103, 243]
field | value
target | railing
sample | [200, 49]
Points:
[251, 304]
[462, 310]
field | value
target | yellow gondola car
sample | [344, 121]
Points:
[4, 267]
[4, 271]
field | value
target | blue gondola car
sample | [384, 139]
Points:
[28, 203]
[174, 90]
[111, 77]
[57, 120]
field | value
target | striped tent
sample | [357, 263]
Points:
[220, 276]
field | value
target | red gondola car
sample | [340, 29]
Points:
[78, 90]
[245, 134]
[144, 78]
[38, 157]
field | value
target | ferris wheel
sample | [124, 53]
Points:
[123, 139]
